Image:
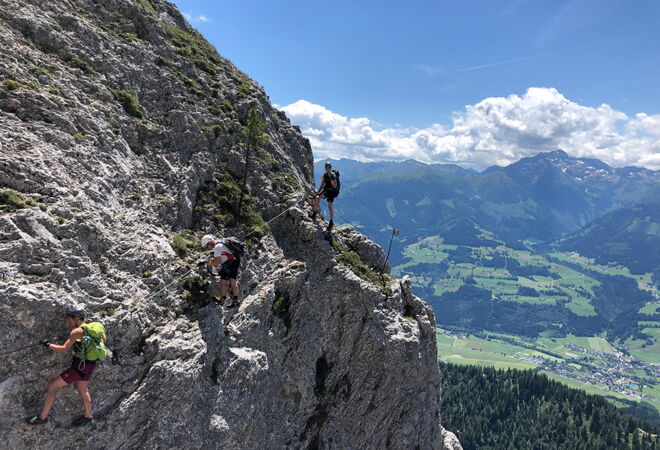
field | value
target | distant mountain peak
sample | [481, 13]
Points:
[559, 152]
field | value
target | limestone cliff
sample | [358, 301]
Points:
[122, 141]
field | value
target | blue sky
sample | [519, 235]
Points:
[421, 65]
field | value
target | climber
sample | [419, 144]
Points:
[88, 342]
[227, 254]
[329, 190]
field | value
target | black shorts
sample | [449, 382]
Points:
[330, 196]
[229, 269]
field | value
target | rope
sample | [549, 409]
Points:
[266, 223]
[168, 285]
[178, 278]
[245, 238]
[19, 349]
[335, 213]
[25, 347]
[193, 270]
[345, 219]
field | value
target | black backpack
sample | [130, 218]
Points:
[235, 245]
[336, 174]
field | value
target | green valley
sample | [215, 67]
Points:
[484, 287]
[588, 363]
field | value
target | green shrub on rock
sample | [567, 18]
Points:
[78, 63]
[220, 203]
[281, 307]
[353, 261]
[15, 200]
[285, 184]
[38, 70]
[129, 102]
[195, 291]
[11, 85]
[183, 242]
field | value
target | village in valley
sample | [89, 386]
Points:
[591, 364]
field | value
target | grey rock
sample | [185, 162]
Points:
[369, 252]
[314, 355]
[451, 442]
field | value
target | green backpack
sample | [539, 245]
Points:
[91, 347]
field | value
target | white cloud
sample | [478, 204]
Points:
[496, 130]
[200, 18]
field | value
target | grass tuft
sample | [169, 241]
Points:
[183, 242]
[38, 70]
[128, 101]
[352, 261]
[11, 85]
[15, 200]
[78, 63]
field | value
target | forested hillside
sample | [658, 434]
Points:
[495, 409]
[628, 236]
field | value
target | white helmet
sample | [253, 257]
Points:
[206, 239]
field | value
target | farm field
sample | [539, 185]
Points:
[645, 350]
[557, 284]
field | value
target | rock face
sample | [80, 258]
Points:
[121, 127]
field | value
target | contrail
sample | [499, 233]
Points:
[498, 63]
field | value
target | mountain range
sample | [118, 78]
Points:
[500, 249]
[536, 200]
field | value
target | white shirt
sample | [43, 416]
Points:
[222, 251]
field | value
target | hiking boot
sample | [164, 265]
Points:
[330, 225]
[313, 215]
[221, 300]
[36, 420]
[82, 420]
[233, 302]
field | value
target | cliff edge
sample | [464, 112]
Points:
[123, 141]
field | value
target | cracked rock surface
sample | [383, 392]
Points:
[121, 129]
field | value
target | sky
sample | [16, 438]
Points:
[471, 82]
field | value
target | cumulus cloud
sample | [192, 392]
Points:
[496, 130]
